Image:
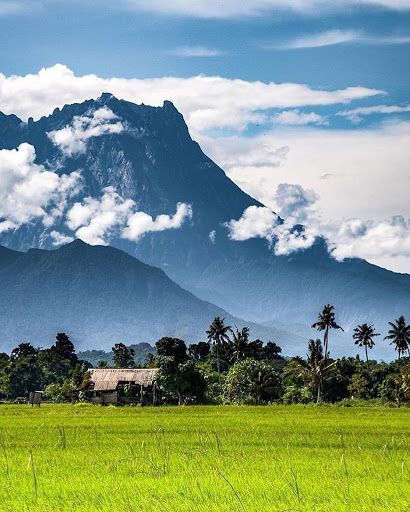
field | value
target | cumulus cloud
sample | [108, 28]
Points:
[29, 191]
[207, 102]
[140, 223]
[96, 220]
[284, 231]
[255, 222]
[295, 203]
[240, 8]
[369, 239]
[347, 238]
[356, 115]
[72, 140]
[295, 117]
[336, 37]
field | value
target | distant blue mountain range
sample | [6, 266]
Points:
[157, 164]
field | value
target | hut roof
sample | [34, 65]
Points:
[107, 379]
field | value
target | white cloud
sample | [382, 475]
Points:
[60, 238]
[367, 169]
[140, 223]
[212, 236]
[356, 115]
[369, 239]
[347, 238]
[336, 37]
[28, 191]
[222, 9]
[72, 140]
[196, 51]
[255, 222]
[96, 220]
[282, 232]
[329, 38]
[207, 102]
[294, 202]
[239, 8]
[294, 117]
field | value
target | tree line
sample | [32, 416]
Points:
[228, 367]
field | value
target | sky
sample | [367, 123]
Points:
[309, 93]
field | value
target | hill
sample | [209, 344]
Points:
[98, 295]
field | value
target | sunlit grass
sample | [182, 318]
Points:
[69, 458]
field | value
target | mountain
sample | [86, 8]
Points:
[155, 162]
[99, 295]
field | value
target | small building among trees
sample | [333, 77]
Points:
[124, 386]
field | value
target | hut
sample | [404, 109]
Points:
[35, 397]
[124, 386]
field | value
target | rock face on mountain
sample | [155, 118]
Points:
[155, 162]
[100, 296]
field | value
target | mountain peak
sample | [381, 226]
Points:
[105, 96]
[168, 105]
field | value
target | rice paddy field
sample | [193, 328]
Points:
[60, 458]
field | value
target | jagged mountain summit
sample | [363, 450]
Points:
[100, 296]
[153, 161]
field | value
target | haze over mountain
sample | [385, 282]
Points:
[100, 296]
[153, 161]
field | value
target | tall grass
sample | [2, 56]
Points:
[206, 459]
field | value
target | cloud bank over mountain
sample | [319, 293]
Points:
[207, 102]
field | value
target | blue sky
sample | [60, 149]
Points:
[261, 132]
[111, 38]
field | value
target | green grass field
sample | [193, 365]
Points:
[280, 458]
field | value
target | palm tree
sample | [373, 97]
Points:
[326, 321]
[313, 369]
[399, 334]
[240, 340]
[363, 335]
[218, 333]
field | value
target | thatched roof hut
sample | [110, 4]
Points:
[107, 379]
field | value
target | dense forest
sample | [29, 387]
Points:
[228, 367]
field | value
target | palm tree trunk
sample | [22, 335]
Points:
[318, 392]
[326, 341]
[367, 357]
[180, 400]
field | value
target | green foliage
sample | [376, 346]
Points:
[399, 336]
[326, 322]
[252, 382]
[364, 335]
[178, 375]
[229, 367]
[297, 395]
[123, 356]
[359, 386]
